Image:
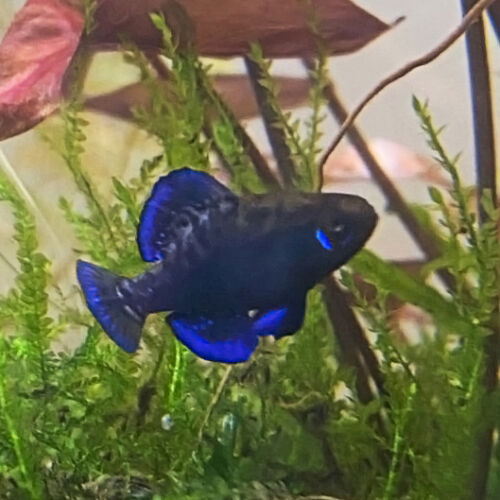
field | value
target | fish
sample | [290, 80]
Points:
[227, 269]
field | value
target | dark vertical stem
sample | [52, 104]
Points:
[482, 108]
[494, 13]
[350, 337]
[394, 199]
[276, 137]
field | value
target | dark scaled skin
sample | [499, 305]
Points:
[228, 269]
[262, 253]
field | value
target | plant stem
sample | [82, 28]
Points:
[214, 401]
[482, 107]
[12, 431]
[494, 13]
[163, 73]
[394, 199]
[317, 70]
[398, 444]
[352, 341]
[259, 162]
[176, 374]
[276, 137]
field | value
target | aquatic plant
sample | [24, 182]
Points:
[304, 418]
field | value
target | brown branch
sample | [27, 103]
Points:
[467, 21]
[396, 202]
[276, 137]
[482, 107]
[352, 341]
[494, 13]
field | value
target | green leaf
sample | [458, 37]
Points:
[392, 279]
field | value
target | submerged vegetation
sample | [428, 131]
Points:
[290, 423]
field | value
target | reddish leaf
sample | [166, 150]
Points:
[225, 28]
[236, 91]
[34, 56]
[38, 47]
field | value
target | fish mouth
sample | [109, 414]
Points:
[367, 219]
[359, 216]
[357, 211]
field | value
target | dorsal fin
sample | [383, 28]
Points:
[170, 195]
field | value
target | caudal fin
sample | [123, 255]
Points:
[112, 309]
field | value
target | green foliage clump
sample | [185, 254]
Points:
[98, 423]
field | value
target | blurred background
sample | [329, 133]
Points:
[116, 147]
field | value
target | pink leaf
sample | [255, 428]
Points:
[34, 56]
[397, 161]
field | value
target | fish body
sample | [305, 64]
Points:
[228, 269]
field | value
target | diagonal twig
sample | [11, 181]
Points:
[468, 20]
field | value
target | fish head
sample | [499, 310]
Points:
[344, 224]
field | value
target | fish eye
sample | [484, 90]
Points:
[323, 239]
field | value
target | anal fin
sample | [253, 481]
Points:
[233, 339]
[227, 340]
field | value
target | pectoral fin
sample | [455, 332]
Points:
[280, 322]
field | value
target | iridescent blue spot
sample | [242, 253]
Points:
[323, 239]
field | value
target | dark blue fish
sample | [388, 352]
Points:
[229, 269]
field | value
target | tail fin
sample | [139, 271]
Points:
[114, 311]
